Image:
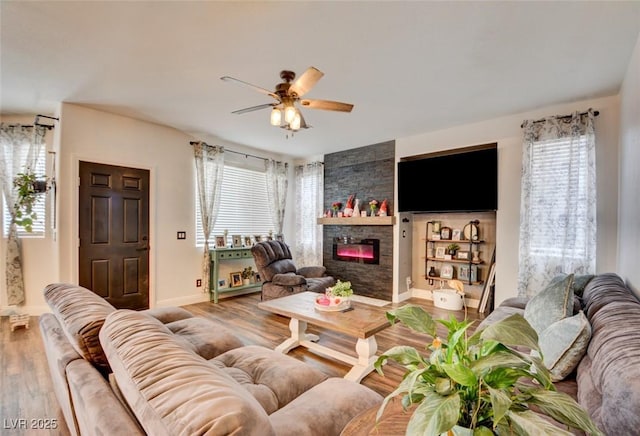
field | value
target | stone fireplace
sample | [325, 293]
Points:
[368, 172]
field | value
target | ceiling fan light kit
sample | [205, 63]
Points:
[287, 94]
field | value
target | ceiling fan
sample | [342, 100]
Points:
[287, 94]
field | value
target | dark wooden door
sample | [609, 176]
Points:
[114, 234]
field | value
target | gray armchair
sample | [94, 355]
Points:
[281, 277]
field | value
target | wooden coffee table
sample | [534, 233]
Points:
[363, 322]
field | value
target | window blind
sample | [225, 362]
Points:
[558, 190]
[39, 207]
[243, 206]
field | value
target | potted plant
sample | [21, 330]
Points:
[247, 275]
[452, 249]
[478, 385]
[28, 187]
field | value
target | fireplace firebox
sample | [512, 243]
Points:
[363, 251]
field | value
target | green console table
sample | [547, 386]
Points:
[219, 255]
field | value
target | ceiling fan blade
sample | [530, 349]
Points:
[304, 83]
[254, 87]
[254, 108]
[327, 105]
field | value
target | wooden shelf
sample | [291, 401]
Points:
[459, 241]
[466, 282]
[358, 221]
[437, 259]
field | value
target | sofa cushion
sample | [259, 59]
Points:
[81, 314]
[550, 305]
[170, 389]
[204, 337]
[564, 343]
[273, 378]
[288, 279]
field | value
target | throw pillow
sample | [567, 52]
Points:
[564, 343]
[550, 305]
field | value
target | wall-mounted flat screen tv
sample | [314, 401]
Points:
[465, 180]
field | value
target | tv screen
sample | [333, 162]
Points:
[457, 182]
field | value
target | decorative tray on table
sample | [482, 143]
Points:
[335, 304]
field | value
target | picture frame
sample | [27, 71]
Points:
[445, 233]
[236, 241]
[235, 279]
[222, 283]
[463, 255]
[280, 237]
[436, 226]
[463, 272]
[221, 241]
[257, 238]
[440, 252]
[455, 235]
[247, 241]
[446, 272]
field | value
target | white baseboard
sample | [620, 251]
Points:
[183, 301]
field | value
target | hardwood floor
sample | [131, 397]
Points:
[26, 391]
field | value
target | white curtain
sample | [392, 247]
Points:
[277, 184]
[558, 200]
[309, 181]
[209, 171]
[14, 140]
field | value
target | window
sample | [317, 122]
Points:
[243, 205]
[39, 208]
[557, 189]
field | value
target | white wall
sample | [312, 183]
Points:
[629, 206]
[507, 133]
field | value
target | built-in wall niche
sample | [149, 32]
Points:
[429, 252]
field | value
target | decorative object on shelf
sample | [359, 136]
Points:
[348, 209]
[468, 273]
[247, 241]
[363, 214]
[257, 278]
[257, 238]
[221, 241]
[430, 249]
[476, 256]
[356, 208]
[384, 208]
[247, 275]
[452, 249]
[28, 188]
[462, 255]
[445, 233]
[222, 283]
[446, 272]
[235, 279]
[373, 205]
[280, 237]
[440, 252]
[455, 235]
[270, 236]
[436, 226]
[471, 231]
[432, 272]
[468, 383]
[336, 205]
[236, 241]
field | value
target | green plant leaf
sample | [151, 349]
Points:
[402, 354]
[500, 402]
[436, 414]
[530, 423]
[414, 317]
[499, 359]
[482, 431]
[443, 386]
[513, 331]
[564, 409]
[460, 373]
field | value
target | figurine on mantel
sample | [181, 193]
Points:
[348, 209]
[384, 208]
[356, 208]
[373, 205]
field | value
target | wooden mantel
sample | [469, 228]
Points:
[358, 221]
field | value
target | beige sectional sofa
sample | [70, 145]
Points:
[166, 372]
[603, 372]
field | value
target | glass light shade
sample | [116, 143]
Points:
[295, 123]
[276, 117]
[289, 114]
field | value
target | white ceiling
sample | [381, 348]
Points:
[408, 67]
